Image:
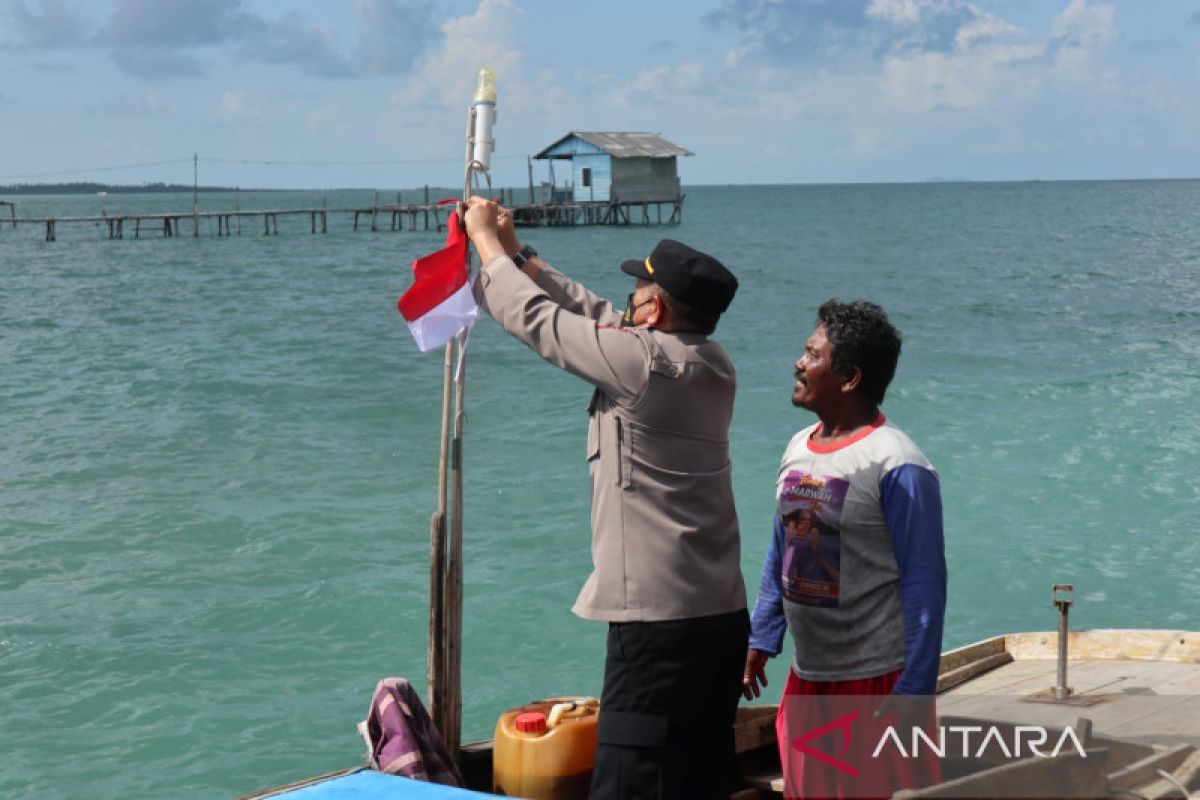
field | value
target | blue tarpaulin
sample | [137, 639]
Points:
[369, 785]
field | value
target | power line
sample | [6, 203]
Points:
[248, 161]
[290, 163]
[94, 169]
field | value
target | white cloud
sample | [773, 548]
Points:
[430, 110]
[661, 84]
[947, 71]
[848, 31]
[1084, 26]
[985, 28]
[898, 12]
[1081, 35]
[446, 78]
[982, 79]
[935, 25]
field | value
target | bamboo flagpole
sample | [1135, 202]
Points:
[446, 573]
[436, 666]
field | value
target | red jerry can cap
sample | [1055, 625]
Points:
[531, 722]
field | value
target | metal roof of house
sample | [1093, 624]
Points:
[625, 145]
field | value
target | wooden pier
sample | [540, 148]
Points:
[229, 223]
[424, 215]
[614, 212]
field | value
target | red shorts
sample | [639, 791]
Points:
[834, 743]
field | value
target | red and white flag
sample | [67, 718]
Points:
[439, 304]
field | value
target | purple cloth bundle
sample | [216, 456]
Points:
[403, 739]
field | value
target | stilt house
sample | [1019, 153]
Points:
[617, 167]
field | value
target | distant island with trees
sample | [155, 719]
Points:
[88, 187]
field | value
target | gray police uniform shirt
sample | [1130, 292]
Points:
[665, 541]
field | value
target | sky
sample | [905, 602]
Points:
[374, 93]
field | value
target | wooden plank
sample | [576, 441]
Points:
[1145, 770]
[754, 727]
[1059, 776]
[961, 656]
[1183, 780]
[278, 790]
[475, 764]
[1137, 645]
[954, 677]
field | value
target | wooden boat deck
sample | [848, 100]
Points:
[1135, 692]
[1134, 685]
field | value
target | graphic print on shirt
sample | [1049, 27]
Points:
[810, 508]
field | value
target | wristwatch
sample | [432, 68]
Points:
[524, 255]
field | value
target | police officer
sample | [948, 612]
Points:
[665, 541]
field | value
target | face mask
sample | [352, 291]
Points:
[630, 308]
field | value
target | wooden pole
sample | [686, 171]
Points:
[447, 703]
[454, 567]
[195, 189]
[436, 666]
[452, 580]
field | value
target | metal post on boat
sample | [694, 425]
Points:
[1063, 594]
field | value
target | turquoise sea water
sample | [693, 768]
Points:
[218, 456]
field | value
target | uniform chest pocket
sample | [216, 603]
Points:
[608, 450]
[625, 454]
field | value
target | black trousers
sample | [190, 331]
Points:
[670, 695]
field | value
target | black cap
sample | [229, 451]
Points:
[688, 275]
